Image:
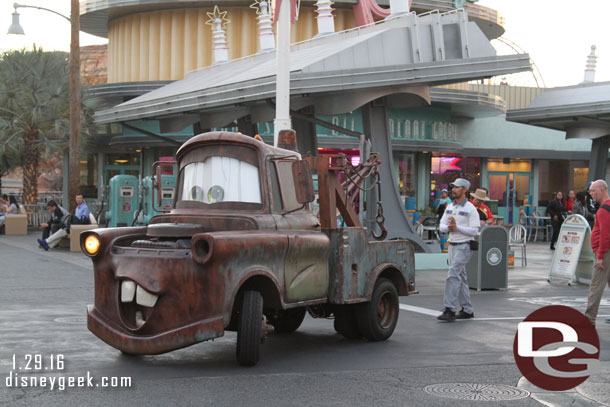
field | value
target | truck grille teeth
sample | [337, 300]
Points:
[129, 290]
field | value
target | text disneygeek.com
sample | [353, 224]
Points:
[26, 372]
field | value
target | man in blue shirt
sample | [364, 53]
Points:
[80, 217]
[81, 213]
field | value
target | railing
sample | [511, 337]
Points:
[39, 213]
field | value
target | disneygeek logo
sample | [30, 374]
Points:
[556, 348]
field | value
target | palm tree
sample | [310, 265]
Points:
[34, 109]
[9, 160]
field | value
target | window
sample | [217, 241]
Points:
[275, 188]
[445, 170]
[220, 179]
[560, 175]
[287, 188]
[407, 180]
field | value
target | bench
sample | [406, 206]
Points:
[76, 230]
[16, 224]
[72, 241]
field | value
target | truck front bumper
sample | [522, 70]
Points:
[162, 342]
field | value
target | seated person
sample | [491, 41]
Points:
[62, 228]
[81, 213]
[8, 206]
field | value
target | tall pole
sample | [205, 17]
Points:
[282, 87]
[75, 154]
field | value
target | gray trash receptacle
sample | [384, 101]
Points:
[488, 266]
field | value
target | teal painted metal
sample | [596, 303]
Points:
[123, 200]
[168, 190]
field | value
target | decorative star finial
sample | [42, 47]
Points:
[256, 6]
[260, 7]
[217, 15]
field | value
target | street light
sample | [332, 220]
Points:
[74, 154]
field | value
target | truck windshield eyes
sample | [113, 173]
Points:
[216, 194]
[220, 179]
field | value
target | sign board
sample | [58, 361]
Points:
[573, 257]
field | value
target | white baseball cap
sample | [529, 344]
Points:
[461, 182]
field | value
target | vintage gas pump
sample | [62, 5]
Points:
[122, 200]
[168, 186]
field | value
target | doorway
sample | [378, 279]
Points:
[509, 189]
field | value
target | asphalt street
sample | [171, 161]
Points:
[43, 299]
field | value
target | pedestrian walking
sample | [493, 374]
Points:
[461, 220]
[557, 212]
[600, 243]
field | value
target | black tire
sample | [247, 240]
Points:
[378, 317]
[288, 320]
[249, 329]
[345, 322]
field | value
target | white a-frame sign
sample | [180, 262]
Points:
[573, 257]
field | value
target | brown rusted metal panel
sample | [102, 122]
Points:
[177, 281]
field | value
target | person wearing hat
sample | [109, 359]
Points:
[485, 214]
[461, 220]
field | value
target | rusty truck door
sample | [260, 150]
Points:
[306, 266]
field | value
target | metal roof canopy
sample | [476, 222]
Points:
[335, 74]
[582, 111]
[571, 109]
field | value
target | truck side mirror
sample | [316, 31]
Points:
[303, 182]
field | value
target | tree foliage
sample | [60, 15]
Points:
[34, 110]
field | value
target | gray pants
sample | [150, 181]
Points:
[596, 288]
[456, 285]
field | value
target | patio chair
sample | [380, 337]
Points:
[518, 238]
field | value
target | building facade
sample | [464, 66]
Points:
[458, 131]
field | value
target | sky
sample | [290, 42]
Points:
[557, 34]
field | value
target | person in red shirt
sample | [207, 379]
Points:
[600, 243]
[570, 201]
[485, 213]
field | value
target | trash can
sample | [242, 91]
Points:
[488, 266]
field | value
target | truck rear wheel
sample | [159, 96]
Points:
[378, 317]
[288, 320]
[249, 329]
[345, 322]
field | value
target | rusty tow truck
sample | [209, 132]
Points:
[242, 250]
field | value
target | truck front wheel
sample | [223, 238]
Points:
[249, 329]
[378, 317]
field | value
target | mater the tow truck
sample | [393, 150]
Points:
[241, 249]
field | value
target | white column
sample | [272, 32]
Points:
[282, 87]
[398, 8]
[265, 28]
[590, 69]
[221, 52]
[326, 20]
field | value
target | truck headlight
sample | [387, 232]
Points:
[92, 244]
